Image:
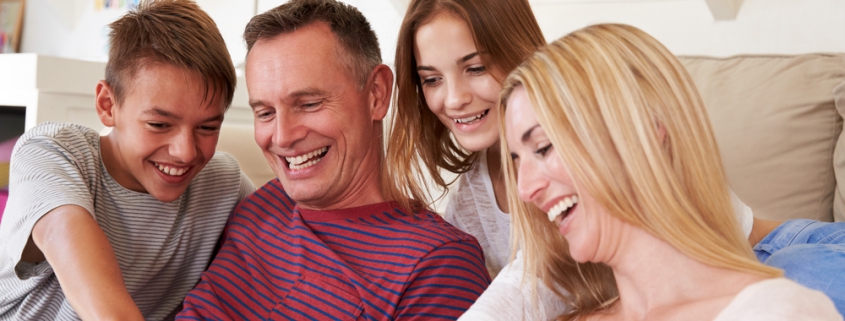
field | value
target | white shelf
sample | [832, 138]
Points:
[63, 90]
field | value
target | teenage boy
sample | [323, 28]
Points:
[324, 241]
[121, 226]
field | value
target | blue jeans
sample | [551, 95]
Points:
[811, 253]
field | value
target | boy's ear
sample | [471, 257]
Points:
[106, 103]
[380, 87]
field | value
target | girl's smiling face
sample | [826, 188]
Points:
[458, 88]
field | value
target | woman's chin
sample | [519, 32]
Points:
[579, 252]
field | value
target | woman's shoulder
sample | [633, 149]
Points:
[779, 299]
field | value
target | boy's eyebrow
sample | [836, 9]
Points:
[161, 112]
[219, 117]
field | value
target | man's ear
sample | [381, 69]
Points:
[379, 90]
[106, 103]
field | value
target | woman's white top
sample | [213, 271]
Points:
[779, 299]
[473, 209]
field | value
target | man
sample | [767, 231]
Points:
[121, 226]
[322, 242]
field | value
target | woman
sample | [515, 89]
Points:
[638, 185]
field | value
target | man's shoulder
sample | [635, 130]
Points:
[267, 200]
[434, 225]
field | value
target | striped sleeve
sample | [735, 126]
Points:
[44, 176]
[445, 283]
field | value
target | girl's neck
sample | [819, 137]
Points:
[494, 170]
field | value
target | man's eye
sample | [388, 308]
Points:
[312, 104]
[261, 115]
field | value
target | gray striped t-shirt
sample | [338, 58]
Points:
[161, 247]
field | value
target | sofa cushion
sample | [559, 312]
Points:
[839, 159]
[777, 125]
[238, 140]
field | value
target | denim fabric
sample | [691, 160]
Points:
[811, 253]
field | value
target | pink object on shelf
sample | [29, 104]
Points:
[4, 195]
[6, 149]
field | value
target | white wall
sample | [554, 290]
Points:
[74, 29]
[687, 27]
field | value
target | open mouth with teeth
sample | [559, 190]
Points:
[172, 170]
[307, 160]
[472, 119]
[563, 208]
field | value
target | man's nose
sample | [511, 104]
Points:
[288, 130]
[184, 146]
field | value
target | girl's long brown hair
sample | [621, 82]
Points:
[419, 145]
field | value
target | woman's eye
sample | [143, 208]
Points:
[543, 150]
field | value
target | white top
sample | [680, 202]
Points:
[779, 299]
[472, 208]
[161, 247]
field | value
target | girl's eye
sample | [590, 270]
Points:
[477, 70]
[543, 150]
[431, 81]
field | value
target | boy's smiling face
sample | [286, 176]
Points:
[164, 132]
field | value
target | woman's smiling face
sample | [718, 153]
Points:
[458, 88]
[544, 180]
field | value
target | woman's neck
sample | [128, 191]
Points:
[494, 170]
[658, 282]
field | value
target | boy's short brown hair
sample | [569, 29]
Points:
[175, 32]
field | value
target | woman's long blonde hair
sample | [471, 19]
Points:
[628, 121]
[419, 144]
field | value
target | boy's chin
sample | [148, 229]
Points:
[167, 195]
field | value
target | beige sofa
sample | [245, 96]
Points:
[776, 120]
[778, 125]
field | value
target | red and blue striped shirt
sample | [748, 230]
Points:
[375, 262]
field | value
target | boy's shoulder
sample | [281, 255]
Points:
[65, 134]
[221, 164]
